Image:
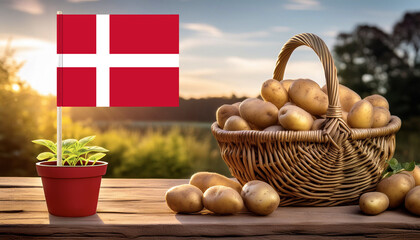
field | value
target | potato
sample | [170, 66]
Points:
[259, 197]
[236, 123]
[412, 200]
[272, 91]
[373, 203]
[412, 180]
[224, 112]
[286, 84]
[295, 118]
[381, 117]
[416, 175]
[395, 187]
[307, 94]
[274, 128]
[258, 113]
[377, 101]
[361, 115]
[237, 105]
[347, 97]
[345, 116]
[184, 198]
[317, 124]
[289, 104]
[222, 200]
[205, 180]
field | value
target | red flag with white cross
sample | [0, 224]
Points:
[118, 60]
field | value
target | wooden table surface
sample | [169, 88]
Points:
[135, 208]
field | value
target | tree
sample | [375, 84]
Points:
[407, 33]
[19, 112]
[370, 61]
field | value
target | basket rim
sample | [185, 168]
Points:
[302, 136]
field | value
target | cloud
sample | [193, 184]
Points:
[330, 33]
[202, 28]
[254, 65]
[28, 6]
[209, 35]
[302, 5]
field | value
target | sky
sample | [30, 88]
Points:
[226, 47]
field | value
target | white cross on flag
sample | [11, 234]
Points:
[118, 60]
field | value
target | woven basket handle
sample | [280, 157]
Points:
[316, 43]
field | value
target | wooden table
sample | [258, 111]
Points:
[135, 208]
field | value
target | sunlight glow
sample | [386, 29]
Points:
[15, 87]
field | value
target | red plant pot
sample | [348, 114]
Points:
[71, 191]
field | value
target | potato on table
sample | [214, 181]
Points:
[184, 198]
[373, 203]
[205, 180]
[396, 187]
[223, 200]
[412, 201]
[259, 197]
[416, 175]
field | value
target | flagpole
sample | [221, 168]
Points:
[59, 117]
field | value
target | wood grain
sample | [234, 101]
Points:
[135, 208]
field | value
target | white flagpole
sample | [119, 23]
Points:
[59, 122]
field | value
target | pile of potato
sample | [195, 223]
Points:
[392, 192]
[222, 195]
[300, 105]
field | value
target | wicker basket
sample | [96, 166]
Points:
[328, 167]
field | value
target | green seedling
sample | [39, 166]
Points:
[73, 151]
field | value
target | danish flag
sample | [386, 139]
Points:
[118, 60]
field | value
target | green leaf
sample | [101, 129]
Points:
[68, 143]
[47, 143]
[95, 157]
[70, 160]
[86, 140]
[409, 166]
[82, 159]
[97, 149]
[83, 151]
[45, 155]
[394, 164]
[67, 152]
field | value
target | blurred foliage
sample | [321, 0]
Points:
[152, 151]
[370, 61]
[22, 112]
